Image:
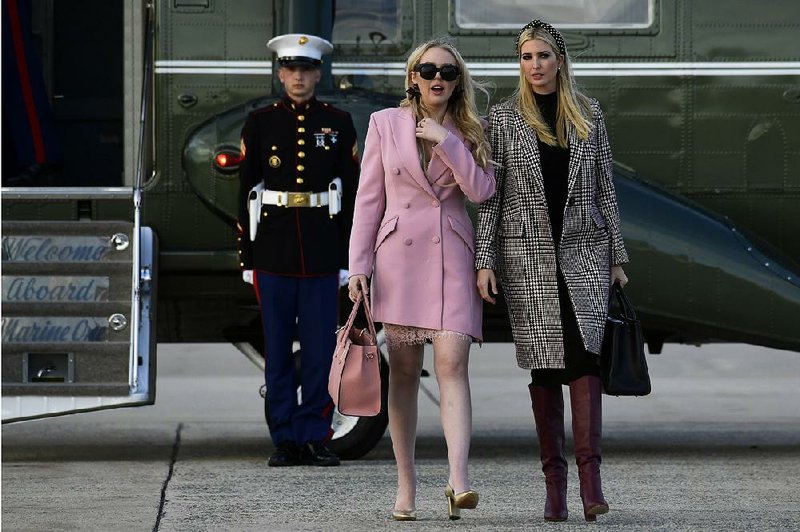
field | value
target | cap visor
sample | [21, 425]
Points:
[299, 61]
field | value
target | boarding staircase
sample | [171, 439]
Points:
[74, 336]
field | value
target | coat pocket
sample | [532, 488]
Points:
[597, 218]
[466, 235]
[385, 230]
[511, 226]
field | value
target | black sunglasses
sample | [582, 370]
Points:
[429, 70]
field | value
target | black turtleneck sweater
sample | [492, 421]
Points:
[555, 167]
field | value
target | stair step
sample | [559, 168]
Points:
[66, 292]
[112, 390]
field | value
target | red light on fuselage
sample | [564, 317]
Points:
[227, 160]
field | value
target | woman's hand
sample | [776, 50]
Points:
[358, 283]
[485, 280]
[618, 274]
[429, 129]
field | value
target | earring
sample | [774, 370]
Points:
[413, 92]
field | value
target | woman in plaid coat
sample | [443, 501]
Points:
[552, 233]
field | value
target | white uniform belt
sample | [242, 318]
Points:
[294, 199]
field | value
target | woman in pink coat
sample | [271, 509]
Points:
[412, 236]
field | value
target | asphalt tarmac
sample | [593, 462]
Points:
[716, 446]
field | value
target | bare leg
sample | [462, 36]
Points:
[405, 366]
[451, 363]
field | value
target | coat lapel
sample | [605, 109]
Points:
[437, 167]
[576, 148]
[404, 135]
[529, 145]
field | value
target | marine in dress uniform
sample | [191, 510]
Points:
[296, 149]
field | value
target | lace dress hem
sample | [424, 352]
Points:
[402, 335]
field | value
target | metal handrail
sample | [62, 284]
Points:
[133, 373]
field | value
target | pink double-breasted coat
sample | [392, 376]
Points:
[411, 232]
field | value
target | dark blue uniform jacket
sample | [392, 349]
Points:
[298, 148]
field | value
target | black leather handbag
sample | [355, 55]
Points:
[623, 367]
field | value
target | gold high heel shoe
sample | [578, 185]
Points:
[456, 501]
[404, 515]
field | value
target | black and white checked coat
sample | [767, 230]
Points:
[514, 236]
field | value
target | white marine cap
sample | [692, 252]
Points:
[299, 49]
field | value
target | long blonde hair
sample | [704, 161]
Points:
[461, 106]
[573, 107]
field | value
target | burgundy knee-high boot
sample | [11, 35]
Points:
[586, 398]
[548, 412]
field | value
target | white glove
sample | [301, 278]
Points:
[247, 276]
[343, 277]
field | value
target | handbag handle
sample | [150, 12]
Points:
[368, 313]
[352, 318]
[624, 303]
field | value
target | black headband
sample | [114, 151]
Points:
[538, 24]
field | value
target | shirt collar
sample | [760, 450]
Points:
[299, 107]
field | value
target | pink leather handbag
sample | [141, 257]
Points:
[355, 379]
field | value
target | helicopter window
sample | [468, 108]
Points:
[579, 14]
[367, 21]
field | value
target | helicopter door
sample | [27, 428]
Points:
[79, 270]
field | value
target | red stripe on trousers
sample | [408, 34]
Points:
[25, 81]
[255, 287]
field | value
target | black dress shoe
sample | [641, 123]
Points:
[287, 454]
[317, 454]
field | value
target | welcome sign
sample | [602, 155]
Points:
[54, 329]
[54, 289]
[34, 248]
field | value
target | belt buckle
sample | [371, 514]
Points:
[299, 199]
